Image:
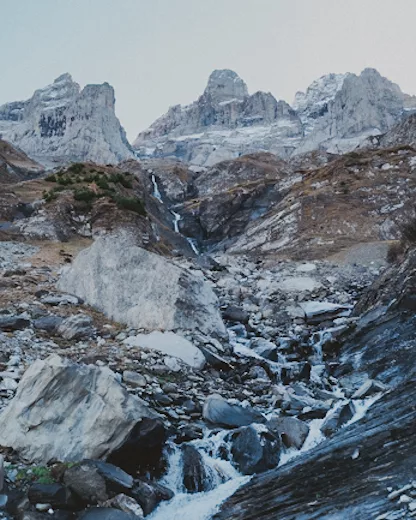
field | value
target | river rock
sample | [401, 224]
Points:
[195, 476]
[107, 513]
[56, 495]
[171, 344]
[255, 449]
[235, 314]
[68, 412]
[340, 417]
[149, 494]
[292, 431]
[141, 288]
[142, 449]
[126, 504]
[217, 410]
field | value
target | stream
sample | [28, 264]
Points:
[224, 478]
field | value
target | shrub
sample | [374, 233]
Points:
[131, 204]
[408, 230]
[76, 168]
[102, 183]
[51, 178]
[84, 195]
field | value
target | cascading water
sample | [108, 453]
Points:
[156, 191]
[215, 449]
[176, 219]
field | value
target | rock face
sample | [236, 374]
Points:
[312, 105]
[68, 412]
[141, 289]
[368, 104]
[337, 112]
[62, 123]
[223, 123]
[16, 165]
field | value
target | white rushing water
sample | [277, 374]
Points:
[215, 449]
[156, 191]
[176, 219]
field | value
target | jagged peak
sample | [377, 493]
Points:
[224, 85]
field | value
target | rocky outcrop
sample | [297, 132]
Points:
[16, 165]
[67, 412]
[223, 123]
[142, 289]
[365, 105]
[312, 104]
[62, 123]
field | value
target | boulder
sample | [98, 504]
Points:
[126, 504]
[56, 495]
[171, 344]
[255, 449]
[142, 289]
[337, 419]
[292, 431]
[195, 476]
[68, 412]
[142, 449]
[219, 411]
[149, 494]
[76, 327]
[9, 323]
[235, 314]
[107, 513]
[48, 323]
[318, 312]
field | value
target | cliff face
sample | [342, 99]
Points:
[62, 123]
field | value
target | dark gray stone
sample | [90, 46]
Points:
[10, 323]
[292, 431]
[218, 411]
[48, 323]
[255, 449]
[149, 494]
[195, 476]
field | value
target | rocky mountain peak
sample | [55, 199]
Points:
[62, 123]
[225, 85]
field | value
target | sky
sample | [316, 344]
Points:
[158, 53]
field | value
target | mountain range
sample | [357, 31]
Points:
[61, 123]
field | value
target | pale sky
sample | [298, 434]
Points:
[158, 53]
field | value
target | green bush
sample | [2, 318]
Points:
[131, 204]
[102, 183]
[76, 168]
[51, 178]
[84, 195]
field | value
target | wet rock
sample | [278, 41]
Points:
[368, 388]
[85, 480]
[195, 476]
[126, 504]
[10, 323]
[48, 323]
[149, 494]
[188, 433]
[292, 431]
[215, 360]
[317, 312]
[106, 513]
[76, 327]
[143, 449]
[56, 495]
[67, 412]
[340, 417]
[264, 348]
[217, 410]
[255, 449]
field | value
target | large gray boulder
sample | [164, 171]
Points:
[219, 411]
[68, 412]
[142, 289]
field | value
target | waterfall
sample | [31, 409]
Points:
[156, 191]
[176, 219]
